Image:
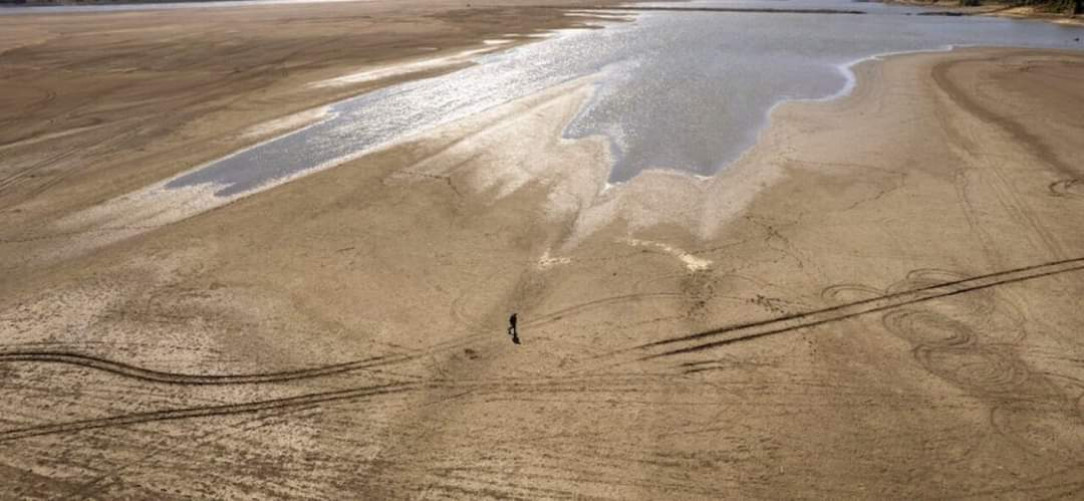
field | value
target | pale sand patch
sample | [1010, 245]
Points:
[47, 137]
[692, 263]
[701, 205]
[546, 261]
[399, 69]
[287, 123]
[132, 214]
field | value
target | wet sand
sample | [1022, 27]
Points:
[96, 105]
[880, 299]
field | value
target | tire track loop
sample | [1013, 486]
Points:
[752, 330]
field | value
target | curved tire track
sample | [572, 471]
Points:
[207, 411]
[554, 316]
[142, 374]
[744, 332]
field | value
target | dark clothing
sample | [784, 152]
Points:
[512, 331]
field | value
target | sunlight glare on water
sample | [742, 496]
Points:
[678, 90]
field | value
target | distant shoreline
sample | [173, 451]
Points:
[106, 5]
[994, 9]
[77, 3]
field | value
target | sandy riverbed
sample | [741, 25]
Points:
[912, 251]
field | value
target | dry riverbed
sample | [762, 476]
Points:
[880, 299]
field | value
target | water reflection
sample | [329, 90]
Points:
[679, 90]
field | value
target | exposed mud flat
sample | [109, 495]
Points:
[99, 105]
[878, 300]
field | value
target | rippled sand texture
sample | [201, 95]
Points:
[880, 299]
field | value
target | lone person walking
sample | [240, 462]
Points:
[512, 329]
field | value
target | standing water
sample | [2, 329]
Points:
[676, 90]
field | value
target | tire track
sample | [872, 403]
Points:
[1034, 143]
[560, 314]
[748, 331]
[149, 375]
[700, 341]
[487, 387]
[208, 411]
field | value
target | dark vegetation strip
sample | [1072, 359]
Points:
[717, 9]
